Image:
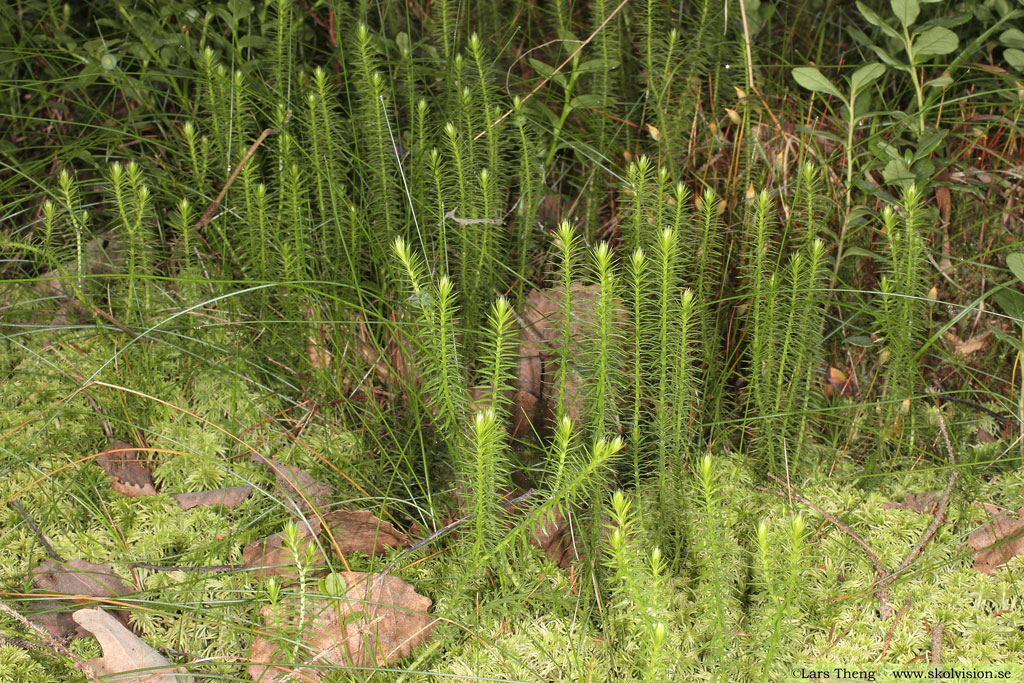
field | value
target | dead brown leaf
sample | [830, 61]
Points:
[923, 503]
[838, 383]
[553, 536]
[230, 497]
[79, 577]
[999, 540]
[543, 317]
[379, 620]
[969, 346]
[101, 255]
[124, 652]
[359, 531]
[270, 556]
[81, 580]
[297, 484]
[130, 476]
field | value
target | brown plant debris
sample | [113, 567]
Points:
[130, 477]
[81, 580]
[999, 540]
[124, 652]
[542, 318]
[966, 347]
[298, 485]
[359, 531]
[230, 497]
[552, 535]
[380, 619]
[271, 557]
[924, 503]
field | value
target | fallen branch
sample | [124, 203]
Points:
[212, 208]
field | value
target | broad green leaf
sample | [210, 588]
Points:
[935, 41]
[861, 251]
[859, 340]
[929, 142]
[1011, 301]
[1012, 37]
[1015, 262]
[548, 71]
[885, 56]
[905, 10]
[812, 79]
[823, 134]
[939, 82]
[1014, 57]
[865, 76]
[586, 102]
[1002, 336]
[872, 18]
[592, 65]
[896, 172]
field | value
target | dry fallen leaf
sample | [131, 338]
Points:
[78, 577]
[124, 652]
[837, 383]
[969, 346]
[130, 477]
[270, 556]
[923, 503]
[359, 531]
[230, 497]
[999, 540]
[296, 484]
[101, 255]
[543, 315]
[53, 617]
[81, 580]
[379, 620]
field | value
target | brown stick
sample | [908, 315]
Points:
[892, 629]
[212, 209]
[935, 656]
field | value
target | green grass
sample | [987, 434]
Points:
[310, 231]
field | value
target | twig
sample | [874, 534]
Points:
[35, 529]
[112, 320]
[872, 555]
[935, 656]
[166, 568]
[939, 516]
[53, 644]
[892, 629]
[558, 68]
[212, 209]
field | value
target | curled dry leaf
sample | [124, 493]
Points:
[81, 580]
[359, 531]
[101, 255]
[123, 652]
[230, 497]
[838, 383]
[271, 557]
[130, 476]
[552, 534]
[297, 484]
[542, 318]
[379, 620]
[999, 540]
[78, 577]
[923, 503]
[969, 346]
